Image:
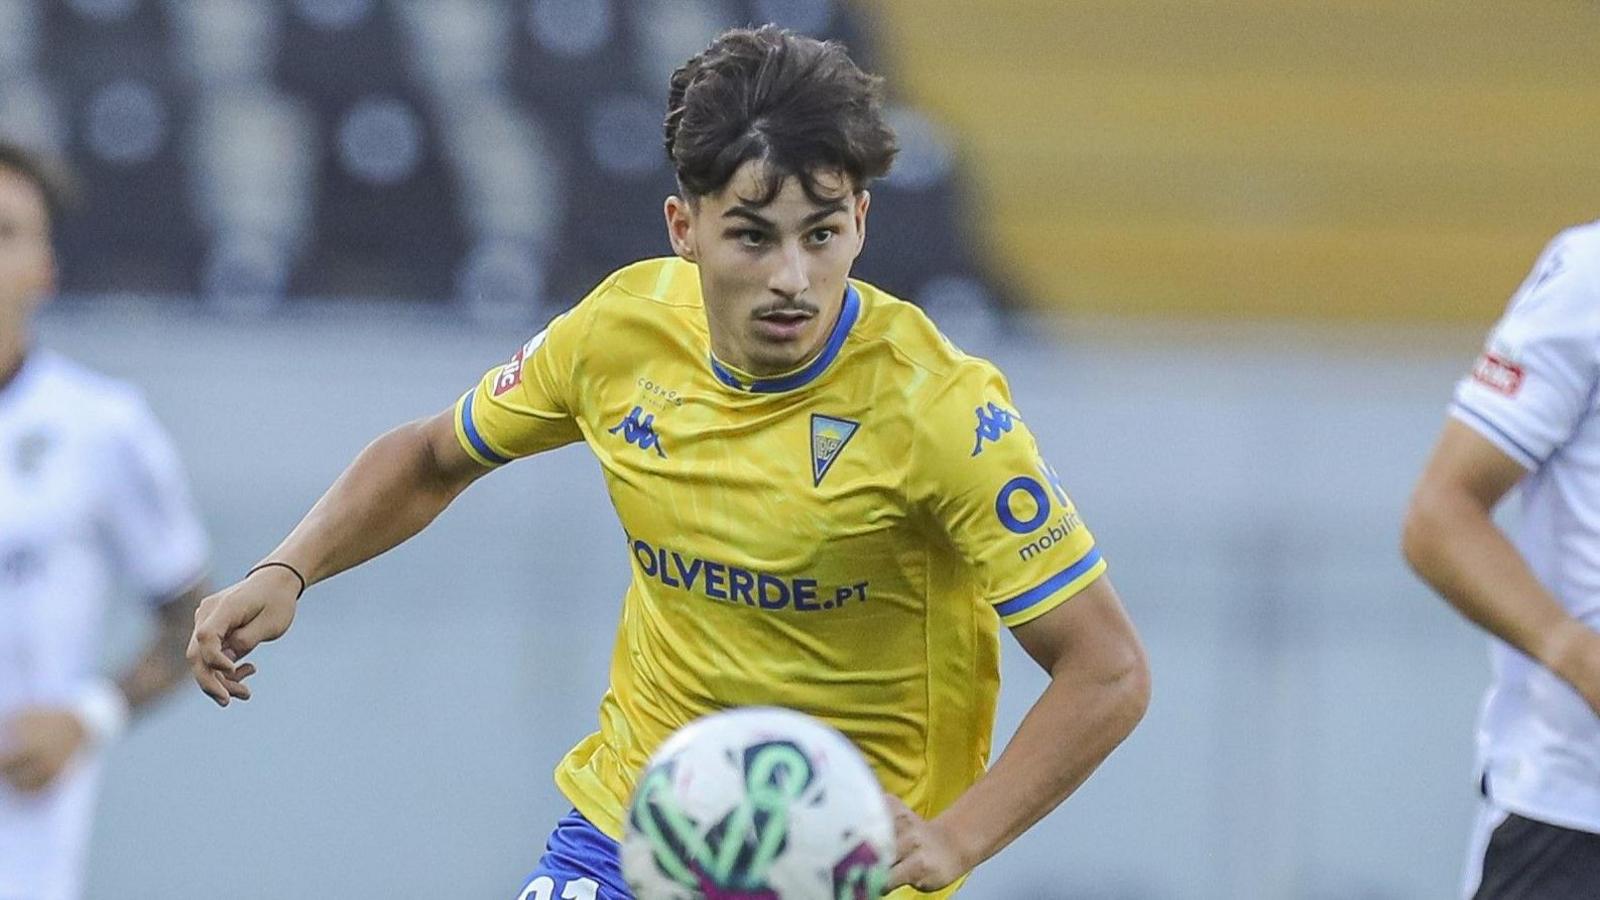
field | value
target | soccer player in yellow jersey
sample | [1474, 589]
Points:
[826, 506]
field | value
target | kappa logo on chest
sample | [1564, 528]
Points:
[639, 428]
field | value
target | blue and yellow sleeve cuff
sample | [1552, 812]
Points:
[471, 440]
[1053, 591]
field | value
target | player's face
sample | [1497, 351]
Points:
[27, 267]
[773, 276]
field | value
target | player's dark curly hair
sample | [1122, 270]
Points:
[798, 104]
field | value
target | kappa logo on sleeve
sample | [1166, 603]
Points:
[511, 373]
[1498, 374]
[994, 422]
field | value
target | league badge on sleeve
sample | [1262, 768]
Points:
[1497, 373]
[511, 373]
[828, 437]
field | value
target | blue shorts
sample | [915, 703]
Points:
[579, 863]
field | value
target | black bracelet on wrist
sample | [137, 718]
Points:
[284, 565]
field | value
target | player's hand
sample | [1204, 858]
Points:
[36, 745]
[234, 621]
[1577, 660]
[926, 855]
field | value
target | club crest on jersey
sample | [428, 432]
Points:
[993, 424]
[828, 437]
[638, 428]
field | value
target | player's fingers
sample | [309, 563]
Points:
[904, 843]
[192, 653]
[905, 825]
[23, 771]
[204, 675]
[210, 682]
[35, 777]
[234, 684]
[208, 644]
[900, 874]
[12, 762]
[236, 690]
[33, 773]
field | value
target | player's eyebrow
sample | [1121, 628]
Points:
[748, 212]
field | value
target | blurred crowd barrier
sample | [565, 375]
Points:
[503, 154]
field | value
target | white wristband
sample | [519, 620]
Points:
[103, 710]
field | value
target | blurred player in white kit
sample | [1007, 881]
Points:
[1528, 416]
[92, 495]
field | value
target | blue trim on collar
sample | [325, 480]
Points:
[841, 329]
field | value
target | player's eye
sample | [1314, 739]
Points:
[749, 237]
[822, 236]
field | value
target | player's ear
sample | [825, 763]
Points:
[863, 200]
[680, 226]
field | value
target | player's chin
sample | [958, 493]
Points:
[783, 357]
[775, 352]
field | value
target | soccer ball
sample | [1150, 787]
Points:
[757, 804]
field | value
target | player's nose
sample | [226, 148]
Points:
[789, 277]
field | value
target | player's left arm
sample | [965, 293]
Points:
[40, 741]
[152, 526]
[1098, 691]
[162, 665]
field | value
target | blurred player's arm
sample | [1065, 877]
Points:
[393, 489]
[1098, 691]
[1452, 542]
[160, 666]
[40, 741]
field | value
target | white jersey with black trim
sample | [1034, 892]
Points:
[91, 496]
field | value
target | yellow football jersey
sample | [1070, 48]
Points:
[844, 540]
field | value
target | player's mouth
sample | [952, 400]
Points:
[786, 324]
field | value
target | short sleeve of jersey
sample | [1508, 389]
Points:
[149, 513]
[530, 404]
[978, 474]
[1535, 379]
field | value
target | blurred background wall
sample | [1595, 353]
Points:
[1232, 255]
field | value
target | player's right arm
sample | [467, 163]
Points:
[1451, 540]
[1526, 397]
[393, 489]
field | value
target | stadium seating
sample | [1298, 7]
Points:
[500, 154]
